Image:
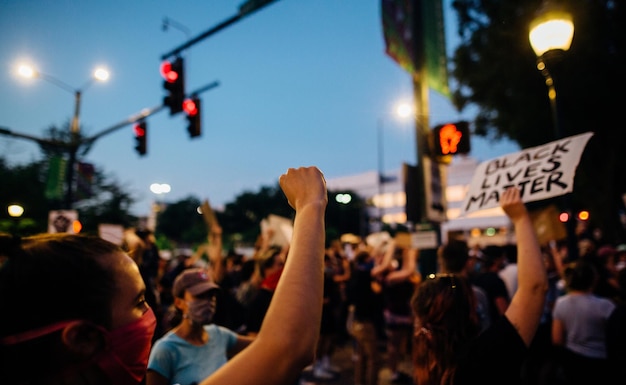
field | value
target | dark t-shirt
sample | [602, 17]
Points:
[495, 357]
[258, 308]
[494, 287]
[367, 304]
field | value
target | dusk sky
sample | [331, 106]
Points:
[301, 82]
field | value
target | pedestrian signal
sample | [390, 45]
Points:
[451, 139]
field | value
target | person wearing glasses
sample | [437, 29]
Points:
[448, 347]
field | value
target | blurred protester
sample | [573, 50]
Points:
[616, 332]
[365, 309]
[453, 258]
[398, 276]
[322, 368]
[579, 326]
[271, 265]
[508, 273]
[448, 347]
[489, 280]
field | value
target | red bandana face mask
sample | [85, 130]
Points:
[125, 357]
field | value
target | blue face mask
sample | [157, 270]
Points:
[478, 267]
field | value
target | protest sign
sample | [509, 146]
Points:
[540, 172]
[280, 229]
[208, 214]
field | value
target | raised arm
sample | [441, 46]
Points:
[288, 336]
[526, 306]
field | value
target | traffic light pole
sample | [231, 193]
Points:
[244, 10]
[77, 143]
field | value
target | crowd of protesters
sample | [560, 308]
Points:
[526, 314]
[368, 286]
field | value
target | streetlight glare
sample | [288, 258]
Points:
[101, 74]
[404, 110]
[15, 211]
[555, 33]
[160, 188]
[26, 71]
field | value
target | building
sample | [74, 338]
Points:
[387, 200]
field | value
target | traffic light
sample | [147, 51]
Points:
[140, 130]
[174, 84]
[451, 139]
[191, 107]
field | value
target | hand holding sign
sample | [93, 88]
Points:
[539, 172]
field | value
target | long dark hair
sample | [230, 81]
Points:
[445, 320]
[45, 279]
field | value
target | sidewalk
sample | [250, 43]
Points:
[342, 358]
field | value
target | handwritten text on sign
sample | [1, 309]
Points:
[540, 172]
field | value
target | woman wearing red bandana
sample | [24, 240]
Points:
[74, 310]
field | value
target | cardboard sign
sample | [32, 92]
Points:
[540, 172]
[281, 229]
[208, 214]
[111, 233]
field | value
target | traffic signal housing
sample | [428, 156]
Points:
[140, 130]
[191, 107]
[174, 74]
[451, 139]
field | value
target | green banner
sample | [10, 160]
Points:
[434, 40]
[56, 176]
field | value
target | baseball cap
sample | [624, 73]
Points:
[605, 251]
[195, 281]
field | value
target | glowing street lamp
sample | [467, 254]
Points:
[100, 74]
[550, 36]
[15, 211]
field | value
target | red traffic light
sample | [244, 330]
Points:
[169, 74]
[190, 107]
[139, 129]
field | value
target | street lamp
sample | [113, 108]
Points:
[160, 189]
[402, 110]
[550, 36]
[15, 211]
[99, 74]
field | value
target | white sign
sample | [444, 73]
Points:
[281, 229]
[62, 221]
[540, 172]
[111, 233]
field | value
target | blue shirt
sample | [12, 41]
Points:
[186, 364]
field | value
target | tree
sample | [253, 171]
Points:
[109, 203]
[242, 217]
[495, 68]
[181, 222]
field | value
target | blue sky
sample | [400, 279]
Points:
[302, 82]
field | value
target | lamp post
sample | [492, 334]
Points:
[15, 211]
[402, 110]
[100, 74]
[550, 36]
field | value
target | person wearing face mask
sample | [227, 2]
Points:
[75, 312]
[74, 309]
[196, 347]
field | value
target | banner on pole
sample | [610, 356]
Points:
[540, 172]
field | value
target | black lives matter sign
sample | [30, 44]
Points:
[540, 172]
